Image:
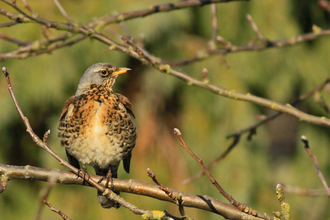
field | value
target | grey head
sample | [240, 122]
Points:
[99, 74]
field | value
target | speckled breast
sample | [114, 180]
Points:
[98, 130]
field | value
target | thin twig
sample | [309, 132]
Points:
[53, 178]
[36, 48]
[255, 29]
[214, 162]
[275, 115]
[103, 21]
[318, 170]
[214, 26]
[239, 206]
[14, 40]
[139, 51]
[28, 7]
[17, 19]
[59, 6]
[124, 27]
[252, 129]
[161, 186]
[304, 192]
[178, 199]
[155, 9]
[231, 48]
[52, 208]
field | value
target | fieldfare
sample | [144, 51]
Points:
[96, 125]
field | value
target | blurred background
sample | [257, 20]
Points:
[162, 102]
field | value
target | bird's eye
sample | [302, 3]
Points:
[104, 73]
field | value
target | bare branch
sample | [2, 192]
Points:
[38, 47]
[215, 161]
[129, 186]
[53, 178]
[156, 9]
[240, 206]
[230, 48]
[214, 26]
[52, 208]
[318, 170]
[165, 189]
[275, 115]
[179, 201]
[13, 40]
[252, 129]
[28, 7]
[59, 6]
[303, 191]
[256, 30]
[16, 17]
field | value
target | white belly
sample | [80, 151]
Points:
[95, 147]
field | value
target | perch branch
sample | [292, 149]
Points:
[129, 186]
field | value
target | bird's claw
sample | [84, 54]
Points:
[83, 173]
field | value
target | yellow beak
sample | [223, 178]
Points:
[120, 70]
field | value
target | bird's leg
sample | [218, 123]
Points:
[109, 177]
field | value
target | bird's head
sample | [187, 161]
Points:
[99, 74]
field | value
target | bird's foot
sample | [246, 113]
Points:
[83, 173]
[108, 177]
[101, 199]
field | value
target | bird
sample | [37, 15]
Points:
[97, 126]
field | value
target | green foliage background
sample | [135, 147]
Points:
[161, 102]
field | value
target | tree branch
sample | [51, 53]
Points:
[318, 170]
[242, 207]
[206, 203]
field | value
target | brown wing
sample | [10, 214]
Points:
[126, 103]
[123, 100]
[66, 107]
[72, 160]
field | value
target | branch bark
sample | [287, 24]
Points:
[205, 202]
